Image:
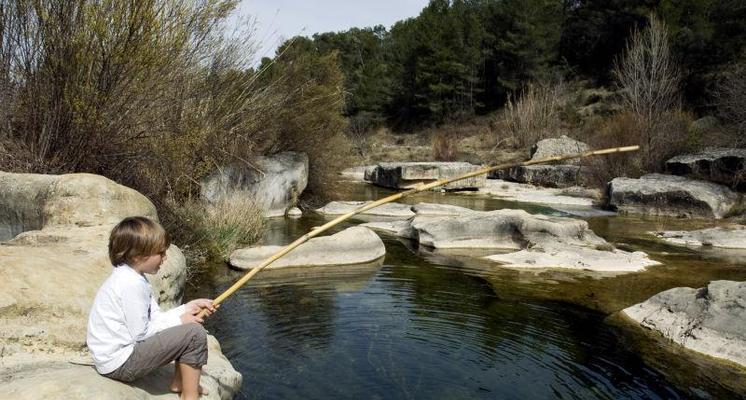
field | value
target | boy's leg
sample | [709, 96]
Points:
[189, 381]
[185, 343]
[176, 382]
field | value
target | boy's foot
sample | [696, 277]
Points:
[177, 389]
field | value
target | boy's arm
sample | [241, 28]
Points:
[161, 320]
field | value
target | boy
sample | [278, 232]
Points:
[128, 334]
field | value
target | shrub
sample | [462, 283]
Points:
[536, 114]
[730, 95]
[648, 79]
[216, 229]
[625, 129]
[443, 148]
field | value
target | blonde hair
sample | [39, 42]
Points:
[136, 237]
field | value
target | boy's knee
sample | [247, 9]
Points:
[196, 332]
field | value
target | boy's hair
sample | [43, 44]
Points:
[136, 236]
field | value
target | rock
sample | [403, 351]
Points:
[406, 175]
[49, 278]
[561, 146]
[720, 165]
[558, 176]
[432, 209]
[526, 193]
[501, 229]
[542, 241]
[274, 182]
[82, 382]
[33, 201]
[709, 320]
[581, 258]
[733, 237]
[386, 210]
[357, 173]
[295, 212]
[670, 195]
[356, 245]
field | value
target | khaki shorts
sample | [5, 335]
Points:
[184, 343]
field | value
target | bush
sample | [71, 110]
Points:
[626, 129]
[536, 114]
[214, 229]
[730, 95]
[443, 148]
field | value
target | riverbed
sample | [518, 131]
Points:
[446, 325]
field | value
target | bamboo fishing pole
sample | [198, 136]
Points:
[419, 188]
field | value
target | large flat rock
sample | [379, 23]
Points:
[561, 146]
[273, 182]
[716, 164]
[710, 320]
[576, 258]
[356, 245]
[556, 176]
[407, 175]
[49, 275]
[397, 210]
[670, 195]
[732, 237]
[525, 193]
[536, 240]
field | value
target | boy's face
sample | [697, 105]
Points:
[149, 264]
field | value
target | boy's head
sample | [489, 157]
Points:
[136, 237]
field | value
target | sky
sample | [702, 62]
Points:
[277, 20]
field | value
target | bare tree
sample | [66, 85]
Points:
[649, 79]
[730, 95]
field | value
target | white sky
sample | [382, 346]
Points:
[277, 20]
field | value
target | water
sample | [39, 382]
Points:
[442, 326]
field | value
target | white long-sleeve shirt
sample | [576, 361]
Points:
[123, 313]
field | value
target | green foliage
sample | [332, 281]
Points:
[214, 229]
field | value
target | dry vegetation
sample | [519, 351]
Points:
[155, 94]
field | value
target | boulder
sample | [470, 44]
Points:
[720, 165]
[576, 257]
[710, 320]
[397, 210]
[525, 193]
[406, 175]
[274, 182]
[357, 173]
[82, 382]
[33, 201]
[295, 212]
[558, 174]
[733, 237]
[50, 275]
[439, 210]
[540, 241]
[356, 245]
[670, 195]
[561, 146]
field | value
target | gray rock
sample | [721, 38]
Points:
[720, 165]
[33, 201]
[49, 278]
[356, 245]
[709, 320]
[557, 176]
[671, 195]
[433, 209]
[274, 182]
[733, 237]
[561, 146]
[577, 258]
[407, 175]
[502, 229]
[397, 210]
[357, 173]
[295, 212]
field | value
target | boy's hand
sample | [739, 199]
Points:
[189, 318]
[195, 306]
